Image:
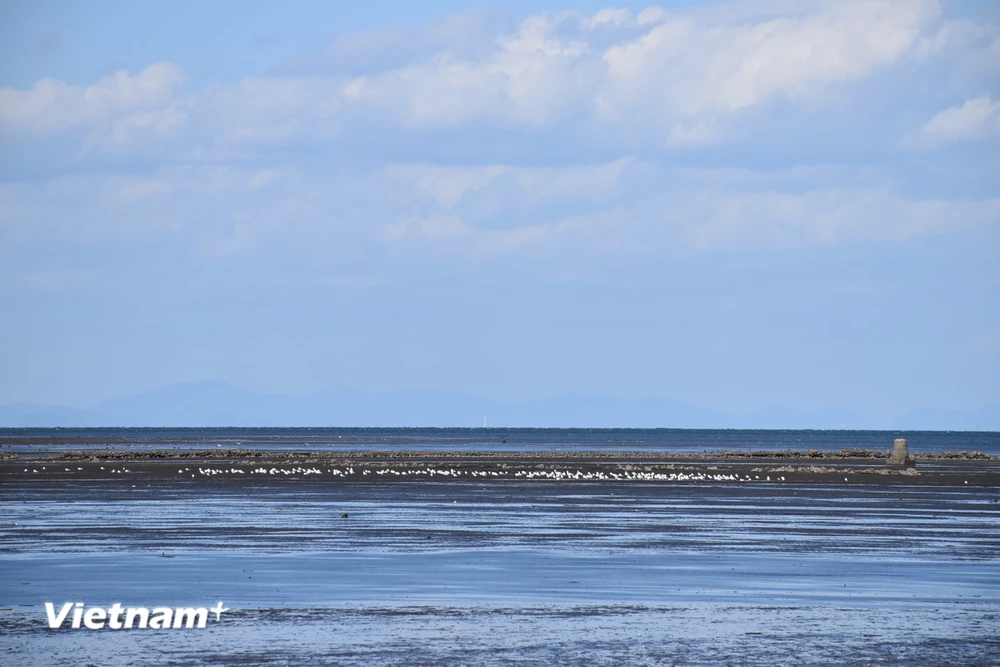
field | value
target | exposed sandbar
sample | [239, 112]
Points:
[251, 466]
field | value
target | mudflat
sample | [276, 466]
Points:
[498, 558]
[857, 466]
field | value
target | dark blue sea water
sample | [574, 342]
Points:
[489, 439]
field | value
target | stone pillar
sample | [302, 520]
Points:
[900, 454]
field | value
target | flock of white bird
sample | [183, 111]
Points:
[556, 475]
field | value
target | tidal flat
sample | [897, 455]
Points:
[574, 558]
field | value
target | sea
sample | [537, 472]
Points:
[480, 572]
[664, 440]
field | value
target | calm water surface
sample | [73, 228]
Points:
[489, 439]
[507, 573]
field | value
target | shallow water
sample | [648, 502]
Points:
[507, 572]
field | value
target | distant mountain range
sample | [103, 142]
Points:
[216, 403]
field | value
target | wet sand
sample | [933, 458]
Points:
[693, 560]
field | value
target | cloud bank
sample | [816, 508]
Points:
[522, 154]
[602, 98]
[654, 79]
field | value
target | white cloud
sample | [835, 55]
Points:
[240, 168]
[827, 217]
[977, 118]
[54, 106]
[689, 74]
[514, 187]
[671, 211]
[189, 202]
[443, 184]
[464, 35]
[264, 177]
[621, 208]
[670, 74]
[656, 79]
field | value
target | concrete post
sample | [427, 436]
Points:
[900, 454]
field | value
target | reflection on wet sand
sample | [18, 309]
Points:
[421, 568]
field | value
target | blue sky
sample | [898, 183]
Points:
[733, 204]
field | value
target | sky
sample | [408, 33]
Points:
[732, 204]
